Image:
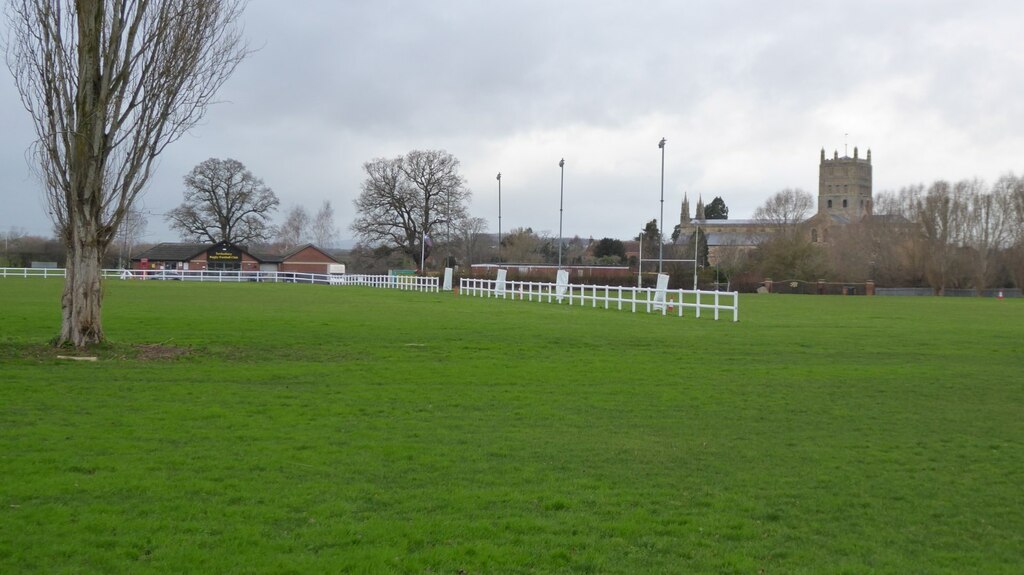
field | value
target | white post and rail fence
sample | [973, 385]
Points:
[400, 282]
[658, 299]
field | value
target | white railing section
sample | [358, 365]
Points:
[414, 283]
[401, 282]
[31, 272]
[608, 297]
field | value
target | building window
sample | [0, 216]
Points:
[844, 203]
[830, 204]
[224, 266]
[814, 236]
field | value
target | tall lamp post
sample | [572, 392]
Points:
[640, 264]
[561, 194]
[499, 218]
[696, 237]
[661, 221]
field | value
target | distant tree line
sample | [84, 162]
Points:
[963, 234]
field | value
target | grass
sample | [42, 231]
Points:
[324, 429]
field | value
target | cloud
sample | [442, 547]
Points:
[746, 93]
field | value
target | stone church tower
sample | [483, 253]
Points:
[684, 212]
[844, 187]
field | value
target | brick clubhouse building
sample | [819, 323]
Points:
[225, 256]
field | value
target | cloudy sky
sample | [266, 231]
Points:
[746, 93]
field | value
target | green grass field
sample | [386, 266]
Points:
[316, 429]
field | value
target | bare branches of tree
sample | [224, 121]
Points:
[323, 231]
[785, 208]
[225, 202]
[962, 234]
[300, 228]
[471, 240]
[109, 84]
[131, 230]
[786, 251]
[408, 198]
[523, 245]
[293, 231]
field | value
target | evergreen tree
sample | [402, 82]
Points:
[716, 210]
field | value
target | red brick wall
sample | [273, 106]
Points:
[308, 261]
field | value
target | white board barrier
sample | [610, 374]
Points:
[499, 284]
[660, 291]
[561, 284]
[447, 280]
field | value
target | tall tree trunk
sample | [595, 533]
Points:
[109, 84]
[81, 323]
[82, 299]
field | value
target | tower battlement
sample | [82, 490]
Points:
[844, 186]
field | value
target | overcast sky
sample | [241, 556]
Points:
[746, 93]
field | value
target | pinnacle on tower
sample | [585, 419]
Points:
[700, 208]
[684, 213]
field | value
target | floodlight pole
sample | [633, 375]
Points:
[661, 221]
[640, 265]
[561, 194]
[499, 218]
[448, 258]
[696, 235]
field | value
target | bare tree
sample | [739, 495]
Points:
[406, 199]
[524, 246]
[109, 84]
[903, 247]
[11, 239]
[785, 250]
[471, 234]
[294, 230]
[224, 202]
[731, 259]
[786, 208]
[1014, 256]
[987, 232]
[941, 215]
[323, 229]
[575, 249]
[132, 228]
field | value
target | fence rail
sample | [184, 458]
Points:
[950, 292]
[400, 282]
[645, 299]
[413, 283]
